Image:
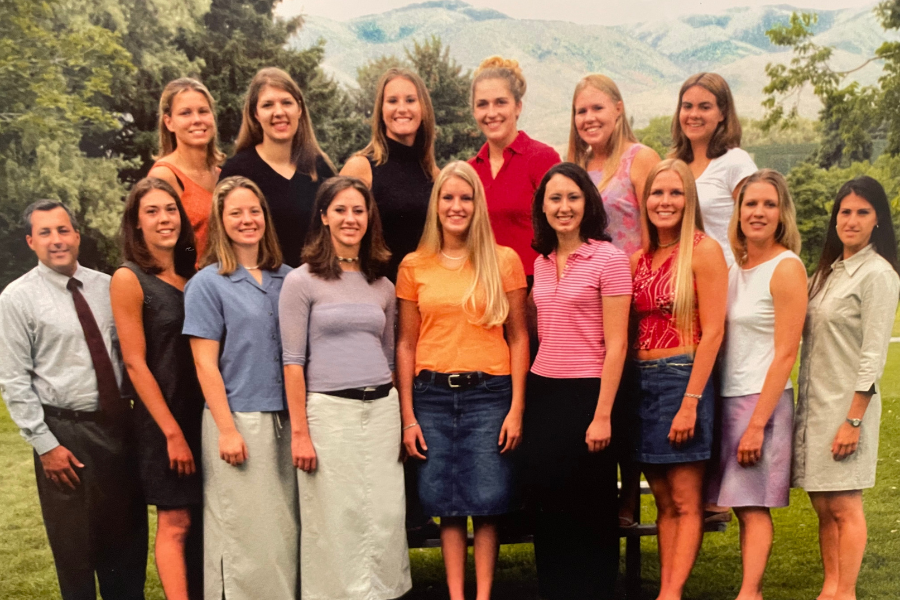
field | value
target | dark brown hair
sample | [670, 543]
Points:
[134, 248]
[319, 252]
[883, 238]
[727, 134]
[593, 223]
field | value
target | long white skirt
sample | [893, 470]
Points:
[250, 515]
[353, 506]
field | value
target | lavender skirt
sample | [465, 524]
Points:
[767, 483]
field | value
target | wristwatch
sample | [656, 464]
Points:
[855, 422]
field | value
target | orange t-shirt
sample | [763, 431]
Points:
[448, 341]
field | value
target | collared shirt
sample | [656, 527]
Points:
[570, 308]
[44, 357]
[509, 195]
[845, 345]
[242, 316]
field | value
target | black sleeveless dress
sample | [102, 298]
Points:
[171, 362]
[402, 190]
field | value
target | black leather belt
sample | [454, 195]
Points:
[365, 394]
[454, 381]
[73, 415]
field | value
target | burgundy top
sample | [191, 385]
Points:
[652, 303]
[509, 195]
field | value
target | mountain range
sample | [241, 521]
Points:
[648, 60]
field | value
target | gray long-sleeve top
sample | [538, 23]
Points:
[341, 331]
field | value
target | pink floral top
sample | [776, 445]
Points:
[621, 204]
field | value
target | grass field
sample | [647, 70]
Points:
[794, 570]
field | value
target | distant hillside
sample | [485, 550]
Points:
[647, 60]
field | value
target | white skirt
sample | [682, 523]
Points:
[250, 515]
[353, 506]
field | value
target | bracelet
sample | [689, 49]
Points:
[697, 396]
[410, 426]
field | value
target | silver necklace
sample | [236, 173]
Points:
[445, 255]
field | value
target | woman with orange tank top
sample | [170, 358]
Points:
[189, 154]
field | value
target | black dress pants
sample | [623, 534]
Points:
[576, 538]
[101, 526]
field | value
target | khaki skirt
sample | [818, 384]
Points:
[353, 506]
[250, 515]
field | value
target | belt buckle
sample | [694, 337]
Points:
[450, 380]
[366, 391]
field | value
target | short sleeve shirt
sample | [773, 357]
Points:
[449, 342]
[570, 308]
[242, 316]
[509, 194]
[715, 187]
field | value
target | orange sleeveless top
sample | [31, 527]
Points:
[197, 202]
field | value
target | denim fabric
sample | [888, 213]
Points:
[464, 473]
[663, 385]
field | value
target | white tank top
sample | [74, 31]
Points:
[750, 328]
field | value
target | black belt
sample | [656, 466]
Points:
[73, 415]
[454, 380]
[365, 394]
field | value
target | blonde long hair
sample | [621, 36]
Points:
[580, 152]
[786, 234]
[218, 246]
[167, 141]
[481, 248]
[377, 149]
[691, 222]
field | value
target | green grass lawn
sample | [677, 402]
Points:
[794, 569]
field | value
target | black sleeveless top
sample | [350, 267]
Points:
[401, 189]
[169, 358]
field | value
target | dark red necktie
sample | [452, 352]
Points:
[107, 388]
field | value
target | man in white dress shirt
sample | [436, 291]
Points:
[60, 373]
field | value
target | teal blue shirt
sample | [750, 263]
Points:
[242, 316]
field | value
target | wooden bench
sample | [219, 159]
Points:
[632, 537]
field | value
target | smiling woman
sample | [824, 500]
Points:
[510, 164]
[277, 150]
[398, 163]
[189, 153]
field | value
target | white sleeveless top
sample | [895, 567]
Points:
[750, 328]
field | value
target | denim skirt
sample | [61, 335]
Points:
[464, 473]
[663, 385]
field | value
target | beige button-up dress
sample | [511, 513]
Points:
[845, 344]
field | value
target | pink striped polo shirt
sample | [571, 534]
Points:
[570, 309]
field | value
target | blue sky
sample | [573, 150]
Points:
[607, 12]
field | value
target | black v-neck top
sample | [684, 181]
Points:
[402, 190]
[290, 200]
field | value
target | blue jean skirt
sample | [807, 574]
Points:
[663, 385]
[464, 473]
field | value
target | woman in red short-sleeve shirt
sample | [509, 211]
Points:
[511, 164]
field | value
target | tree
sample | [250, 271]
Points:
[457, 136]
[657, 135]
[850, 113]
[56, 77]
[238, 38]
[814, 188]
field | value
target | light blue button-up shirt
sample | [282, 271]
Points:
[242, 316]
[44, 357]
